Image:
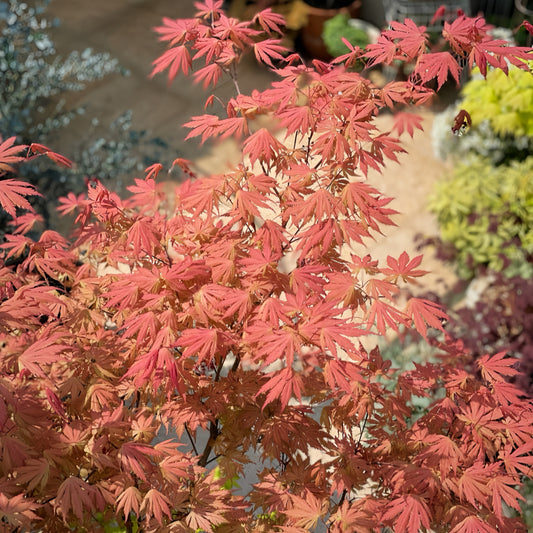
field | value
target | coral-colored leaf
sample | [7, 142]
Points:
[13, 194]
[437, 65]
[262, 146]
[269, 20]
[57, 158]
[407, 122]
[382, 52]
[136, 457]
[176, 59]
[268, 50]
[74, 494]
[385, 315]
[496, 367]
[157, 505]
[410, 38]
[403, 267]
[17, 511]
[307, 510]
[43, 351]
[8, 154]
[282, 386]
[424, 312]
[408, 514]
[473, 524]
[128, 501]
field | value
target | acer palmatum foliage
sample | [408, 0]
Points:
[238, 314]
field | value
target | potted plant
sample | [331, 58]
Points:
[318, 12]
[356, 31]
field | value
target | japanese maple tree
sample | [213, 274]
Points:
[148, 359]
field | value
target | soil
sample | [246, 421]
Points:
[124, 29]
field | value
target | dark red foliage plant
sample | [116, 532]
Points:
[149, 359]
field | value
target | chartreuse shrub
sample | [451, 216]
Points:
[501, 109]
[504, 100]
[175, 345]
[486, 213]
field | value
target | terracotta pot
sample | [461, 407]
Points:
[311, 33]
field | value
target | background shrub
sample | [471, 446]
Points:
[33, 75]
[501, 108]
[338, 27]
[34, 83]
[486, 213]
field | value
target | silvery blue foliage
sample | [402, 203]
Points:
[32, 73]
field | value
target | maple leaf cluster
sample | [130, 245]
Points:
[232, 314]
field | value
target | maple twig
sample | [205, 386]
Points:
[215, 458]
[219, 369]
[361, 430]
[233, 74]
[193, 444]
[236, 363]
[213, 434]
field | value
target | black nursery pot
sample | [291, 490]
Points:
[328, 4]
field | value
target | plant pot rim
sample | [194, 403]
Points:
[330, 12]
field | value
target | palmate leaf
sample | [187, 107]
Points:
[43, 351]
[503, 490]
[209, 9]
[18, 511]
[75, 494]
[128, 501]
[9, 154]
[202, 343]
[247, 204]
[403, 267]
[473, 524]
[410, 38]
[35, 472]
[26, 222]
[282, 386]
[385, 315]
[208, 126]
[407, 122]
[176, 30]
[437, 65]
[520, 460]
[136, 457]
[208, 75]
[443, 453]
[497, 367]
[425, 313]
[382, 52]
[176, 59]
[408, 514]
[270, 344]
[269, 49]
[471, 37]
[143, 237]
[307, 510]
[473, 484]
[269, 20]
[262, 146]
[13, 194]
[157, 505]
